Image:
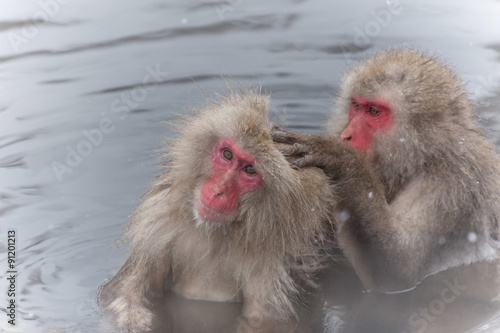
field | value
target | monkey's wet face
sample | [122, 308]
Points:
[233, 174]
[365, 118]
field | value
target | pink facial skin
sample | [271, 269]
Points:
[232, 175]
[365, 118]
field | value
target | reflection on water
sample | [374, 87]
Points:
[83, 86]
[464, 299]
[457, 300]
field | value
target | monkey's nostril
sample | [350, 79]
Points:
[347, 138]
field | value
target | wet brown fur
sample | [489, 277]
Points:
[275, 236]
[427, 196]
[440, 176]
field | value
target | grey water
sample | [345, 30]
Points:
[85, 85]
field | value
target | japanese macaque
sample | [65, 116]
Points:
[230, 219]
[418, 182]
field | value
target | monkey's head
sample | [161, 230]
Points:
[237, 177]
[400, 108]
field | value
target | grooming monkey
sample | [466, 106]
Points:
[228, 220]
[418, 183]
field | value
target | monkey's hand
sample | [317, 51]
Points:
[131, 315]
[125, 303]
[324, 152]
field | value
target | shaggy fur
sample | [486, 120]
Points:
[275, 235]
[427, 196]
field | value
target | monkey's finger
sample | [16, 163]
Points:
[282, 135]
[295, 149]
[308, 160]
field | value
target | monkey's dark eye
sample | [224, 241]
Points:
[227, 155]
[356, 105]
[374, 111]
[249, 169]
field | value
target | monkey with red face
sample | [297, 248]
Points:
[419, 184]
[229, 219]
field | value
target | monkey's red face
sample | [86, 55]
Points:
[366, 117]
[233, 174]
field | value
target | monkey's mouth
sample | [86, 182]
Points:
[207, 214]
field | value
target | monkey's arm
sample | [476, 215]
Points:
[128, 295]
[372, 236]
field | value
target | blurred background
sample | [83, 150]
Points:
[85, 84]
